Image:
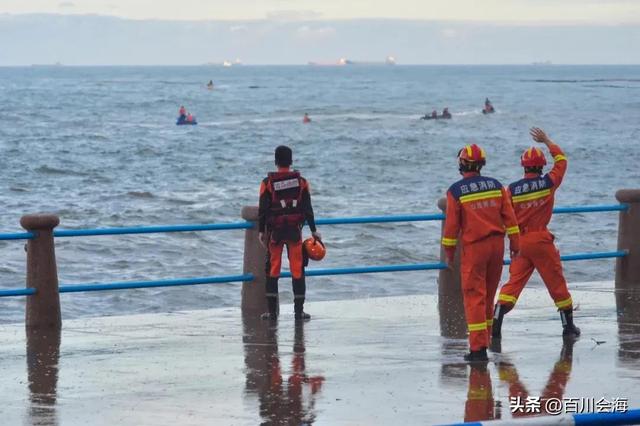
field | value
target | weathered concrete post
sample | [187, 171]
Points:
[43, 308]
[628, 267]
[450, 306]
[254, 300]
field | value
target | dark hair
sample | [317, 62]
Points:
[536, 169]
[284, 156]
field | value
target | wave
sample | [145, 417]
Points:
[593, 80]
[55, 171]
[141, 194]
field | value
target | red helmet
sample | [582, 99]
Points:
[472, 154]
[315, 248]
[533, 157]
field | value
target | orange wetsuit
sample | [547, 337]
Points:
[532, 199]
[285, 205]
[479, 209]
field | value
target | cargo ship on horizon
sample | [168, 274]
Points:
[389, 60]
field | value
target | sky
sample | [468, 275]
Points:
[153, 32]
[577, 11]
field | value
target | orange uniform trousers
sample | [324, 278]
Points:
[537, 251]
[294, 253]
[481, 268]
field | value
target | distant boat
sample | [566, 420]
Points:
[542, 63]
[389, 60]
[231, 64]
[57, 64]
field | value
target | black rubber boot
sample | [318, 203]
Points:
[498, 315]
[569, 330]
[299, 290]
[477, 356]
[272, 300]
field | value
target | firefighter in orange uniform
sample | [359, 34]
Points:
[285, 205]
[533, 198]
[479, 209]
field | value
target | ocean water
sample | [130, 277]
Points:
[100, 148]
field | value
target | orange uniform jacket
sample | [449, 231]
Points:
[478, 206]
[533, 196]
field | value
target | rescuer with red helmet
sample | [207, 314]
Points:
[285, 205]
[532, 198]
[479, 213]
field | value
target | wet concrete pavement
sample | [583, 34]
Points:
[369, 361]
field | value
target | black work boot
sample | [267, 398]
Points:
[477, 356]
[498, 315]
[298, 305]
[569, 330]
[272, 300]
[299, 290]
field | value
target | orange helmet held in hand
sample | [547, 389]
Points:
[533, 157]
[315, 248]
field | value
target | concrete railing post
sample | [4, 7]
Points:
[450, 306]
[254, 300]
[628, 267]
[43, 308]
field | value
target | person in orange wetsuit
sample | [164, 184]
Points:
[533, 198]
[182, 112]
[285, 205]
[306, 118]
[479, 209]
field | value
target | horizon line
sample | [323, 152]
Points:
[380, 65]
[531, 23]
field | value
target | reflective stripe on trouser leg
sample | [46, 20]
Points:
[565, 304]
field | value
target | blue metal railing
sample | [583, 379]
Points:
[630, 417]
[17, 236]
[248, 225]
[75, 288]
[151, 229]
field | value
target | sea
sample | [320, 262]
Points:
[99, 147]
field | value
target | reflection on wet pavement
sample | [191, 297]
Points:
[628, 304]
[43, 353]
[282, 402]
[367, 361]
